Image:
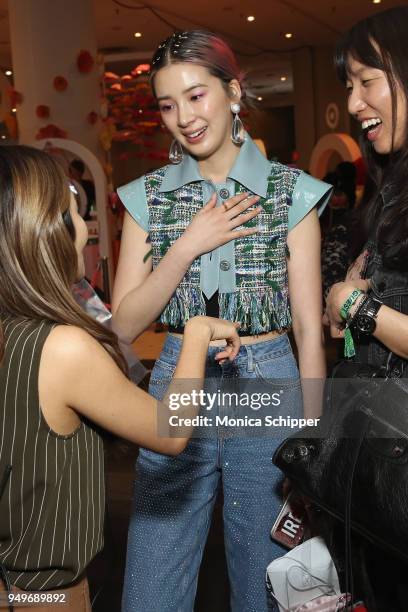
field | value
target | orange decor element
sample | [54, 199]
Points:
[106, 134]
[140, 69]
[51, 131]
[133, 113]
[85, 61]
[92, 117]
[42, 111]
[111, 76]
[60, 83]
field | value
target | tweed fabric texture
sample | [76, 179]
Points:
[261, 299]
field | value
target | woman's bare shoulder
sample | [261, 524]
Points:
[71, 350]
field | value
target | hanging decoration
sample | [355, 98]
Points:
[51, 131]
[106, 134]
[111, 76]
[134, 114]
[42, 111]
[140, 69]
[85, 61]
[60, 83]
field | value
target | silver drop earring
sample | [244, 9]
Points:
[238, 131]
[176, 152]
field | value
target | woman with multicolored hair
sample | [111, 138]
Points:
[221, 231]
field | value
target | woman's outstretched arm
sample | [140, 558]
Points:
[78, 377]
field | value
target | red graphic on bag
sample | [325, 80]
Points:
[288, 528]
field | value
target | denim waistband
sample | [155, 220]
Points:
[256, 351]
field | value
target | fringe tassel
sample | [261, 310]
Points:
[260, 311]
[186, 302]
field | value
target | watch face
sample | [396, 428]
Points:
[366, 324]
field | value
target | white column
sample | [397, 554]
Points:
[46, 38]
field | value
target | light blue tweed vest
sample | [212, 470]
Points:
[261, 300]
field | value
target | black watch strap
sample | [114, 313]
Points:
[365, 320]
[371, 307]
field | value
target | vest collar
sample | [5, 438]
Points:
[251, 170]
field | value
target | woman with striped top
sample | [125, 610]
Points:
[61, 372]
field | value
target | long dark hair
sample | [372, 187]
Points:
[38, 260]
[199, 47]
[381, 42]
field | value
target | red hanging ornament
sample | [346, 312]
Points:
[42, 111]
[51, 131]
[60, 83]
[85, 61]
[92, 117]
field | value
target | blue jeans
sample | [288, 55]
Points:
[174, 496]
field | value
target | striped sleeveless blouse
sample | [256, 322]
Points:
[52, 505]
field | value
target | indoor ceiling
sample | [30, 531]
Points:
[261, 45]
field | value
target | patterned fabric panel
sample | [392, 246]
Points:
[261, 300]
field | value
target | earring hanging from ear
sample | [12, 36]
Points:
[176, 152]
[238, 131]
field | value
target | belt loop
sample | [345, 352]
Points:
[250, 358]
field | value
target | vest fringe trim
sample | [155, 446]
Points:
[258, 311]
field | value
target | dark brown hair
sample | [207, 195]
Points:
[198, 47]
[381, 42]
[38, 260]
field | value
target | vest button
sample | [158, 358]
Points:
[225, 265]
[224, 193]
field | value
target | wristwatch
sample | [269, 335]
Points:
[365, 320]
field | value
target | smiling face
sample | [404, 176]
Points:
[195, 107]
[370, 102]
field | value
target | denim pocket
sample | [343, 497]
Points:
[161, 377]
[279, 371]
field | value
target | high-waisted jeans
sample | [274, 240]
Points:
[174, 496]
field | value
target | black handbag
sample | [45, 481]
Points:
[354, 463]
